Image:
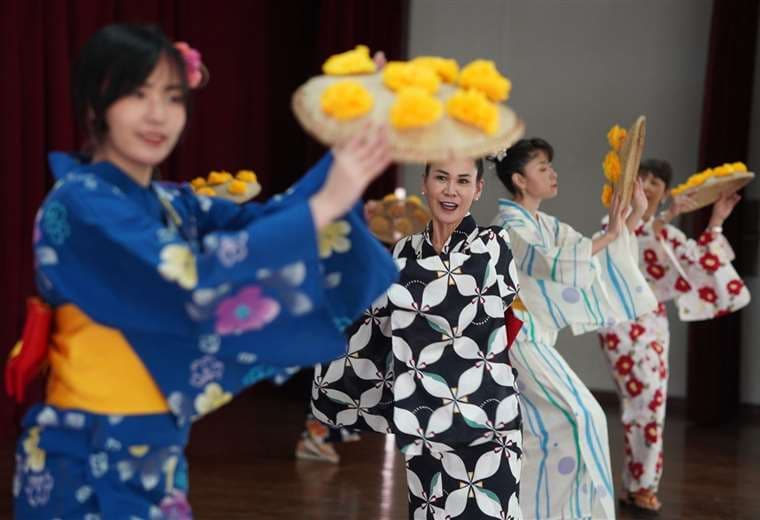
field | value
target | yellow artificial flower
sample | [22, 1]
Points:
[700, 178]
[447, 69]
[415, 108]
[616, 136]
[198, 182]
[221, 177]
[35, 456]
[357, 61]
[739, 167]
[237, 187]
[208, 192]
[246, 176]
[213, 397]
[178, 265]
[607, 195]
[472, 107]
[346, 100]
[483, 75]
[334, 237]
[414, 199]
[722, 171]
[400, 74]
[611, 166]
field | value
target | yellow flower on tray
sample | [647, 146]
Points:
[206, 191]
[723, 171]
[607, 195]
[198, 182]
[221, 177]
[447, 69]
[237, 187]
[611, 166]
[414, 199]
[357, 61]
[472, 107]
[415, 108]
[346, 100]
[739, 167]
[246, 176]
[401, 74]
[483, 75]
[616, 136]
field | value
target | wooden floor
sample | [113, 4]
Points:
[242, 468]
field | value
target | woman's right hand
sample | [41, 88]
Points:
[616, 216]
[615, 224]
[356, 163]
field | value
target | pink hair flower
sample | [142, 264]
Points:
[193, 65]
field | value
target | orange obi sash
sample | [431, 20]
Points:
[93, 368]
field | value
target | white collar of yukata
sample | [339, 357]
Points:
[455, 242]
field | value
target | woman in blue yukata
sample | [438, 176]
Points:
[166, 304]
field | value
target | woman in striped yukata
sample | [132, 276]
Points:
[567, 280]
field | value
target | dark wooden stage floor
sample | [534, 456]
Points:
[242, 468]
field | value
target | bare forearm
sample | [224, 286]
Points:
[601, 242]
[632, 222]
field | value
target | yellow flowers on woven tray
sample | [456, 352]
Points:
[416, 84]
[707, 186]
[700, 178]
[612, 166]
[435, 110]
[397, 216]
[621, 164]
[243, 187]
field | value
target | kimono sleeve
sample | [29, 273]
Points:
[715, 287]
[565, 257]
[122, 268]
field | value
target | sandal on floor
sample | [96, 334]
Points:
[321, 451]
[643, 501]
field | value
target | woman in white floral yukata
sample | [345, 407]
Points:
[699, 277]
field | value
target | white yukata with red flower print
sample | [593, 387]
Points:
[699, 277]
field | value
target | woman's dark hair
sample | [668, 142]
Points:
[479, 165]
[659, 168]
[517, 156]
[114, 62]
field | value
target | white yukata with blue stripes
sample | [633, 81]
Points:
[566, 465]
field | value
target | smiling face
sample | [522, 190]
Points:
[450, 188]
[655, 188]
[538, 179]
[144, 126]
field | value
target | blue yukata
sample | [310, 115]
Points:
[166, 305]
